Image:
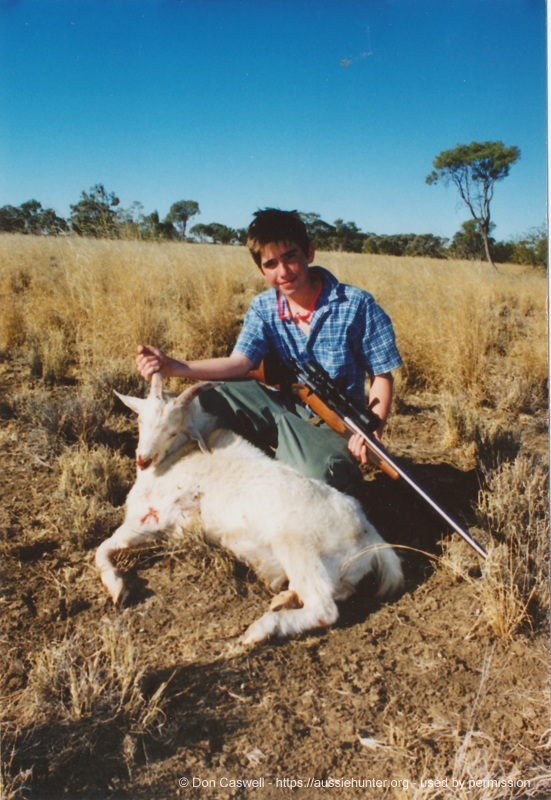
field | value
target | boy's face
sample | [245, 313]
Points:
[285, 267]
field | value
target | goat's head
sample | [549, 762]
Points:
[163, 420]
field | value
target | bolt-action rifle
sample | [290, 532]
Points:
[316, 389]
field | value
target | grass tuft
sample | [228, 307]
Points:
[88, 690]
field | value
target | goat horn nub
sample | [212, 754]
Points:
[156, 389]
[191, 392]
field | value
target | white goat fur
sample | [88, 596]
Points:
[287, 527]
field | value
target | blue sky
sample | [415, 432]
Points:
[330, 106]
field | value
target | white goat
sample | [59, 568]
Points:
[289, 528]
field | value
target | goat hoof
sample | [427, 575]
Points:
[123, 600]
[287, 599]
[255, 634]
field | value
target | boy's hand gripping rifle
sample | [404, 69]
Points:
[319, 391]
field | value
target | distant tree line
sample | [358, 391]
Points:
[98, 214]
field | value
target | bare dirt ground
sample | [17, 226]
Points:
[390, 701]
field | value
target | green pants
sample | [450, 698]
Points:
[279, 426]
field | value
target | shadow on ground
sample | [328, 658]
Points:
[406, 520]
[199, 713]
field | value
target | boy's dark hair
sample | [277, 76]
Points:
[271, 225]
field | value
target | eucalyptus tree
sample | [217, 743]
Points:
[216, 233]
[346, 237]
[474, 169]
[50, 223]
[11, 220]
[180, 213]
[319, 231]
[30, 217]
[152, 227]
[468, 243]
[95, 214]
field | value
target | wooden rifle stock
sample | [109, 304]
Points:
[322, 411]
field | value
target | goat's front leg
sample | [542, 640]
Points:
[130, 534]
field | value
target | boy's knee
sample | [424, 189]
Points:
[242, 408]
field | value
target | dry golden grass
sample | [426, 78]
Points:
[96, 471]
[91, 481]
[513, 589]
[81, 307]
[515, 506]
[462, 328]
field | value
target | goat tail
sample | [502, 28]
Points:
[388, 569]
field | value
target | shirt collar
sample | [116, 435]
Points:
[330, 285]
[329, 293]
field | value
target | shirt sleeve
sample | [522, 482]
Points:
[379, 342]
[253, 337]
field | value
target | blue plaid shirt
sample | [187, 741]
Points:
[350, 335]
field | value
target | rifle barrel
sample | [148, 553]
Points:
[451, 522]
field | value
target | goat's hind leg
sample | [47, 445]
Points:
[308, 604]
[127, 535]
[285, 599]
[319, 613]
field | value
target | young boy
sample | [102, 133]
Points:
[305, 314]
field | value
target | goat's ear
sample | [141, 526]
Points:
[195, 436]
[135, 403]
